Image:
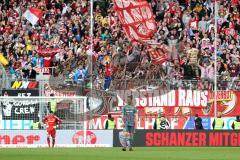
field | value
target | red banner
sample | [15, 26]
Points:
[61, 93]
[136, 18]
[44, 70]
[183, 102]
[189, 138]
[45, 52]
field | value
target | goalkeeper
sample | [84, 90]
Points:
[129, 116]
[52, 123]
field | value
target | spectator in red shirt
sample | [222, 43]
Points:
[108, 76]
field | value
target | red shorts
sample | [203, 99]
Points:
[51, 132]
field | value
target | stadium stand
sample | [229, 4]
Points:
[60, 40]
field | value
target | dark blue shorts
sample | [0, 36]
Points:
[129, 129]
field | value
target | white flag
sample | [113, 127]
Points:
[33, 15]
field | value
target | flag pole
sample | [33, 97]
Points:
[90, 66]
[91, 39]
[215, 54]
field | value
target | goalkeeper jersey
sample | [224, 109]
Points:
[129, 115]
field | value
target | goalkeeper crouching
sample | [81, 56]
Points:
[129, 117]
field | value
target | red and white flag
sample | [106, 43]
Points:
[158, 54]
[137, 19]
[33, 15]
[138, 22]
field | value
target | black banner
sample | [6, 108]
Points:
[20, 109]
[185, 138]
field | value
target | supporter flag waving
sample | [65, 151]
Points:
[33, 15]
[158, 54]
[139, 25]
[136, 18]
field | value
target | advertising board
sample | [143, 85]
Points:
[13, 109]
[67, 138]
[185, 138]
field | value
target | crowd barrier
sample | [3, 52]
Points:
[116, 84]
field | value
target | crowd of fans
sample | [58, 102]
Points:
[186, 26]
[67, 32]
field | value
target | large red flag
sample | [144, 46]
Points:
[136, 18]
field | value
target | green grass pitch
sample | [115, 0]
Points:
[139, 153]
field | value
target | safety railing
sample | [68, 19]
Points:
[126, 84]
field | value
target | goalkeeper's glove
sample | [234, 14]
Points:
[55, 126]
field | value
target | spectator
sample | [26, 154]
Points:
[29, 73]
[207, 72]
[110, 123]
[198, 123]
[108, 76]
[218, 123]
[236, 123]
[161, 123]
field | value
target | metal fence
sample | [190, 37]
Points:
[125, 84]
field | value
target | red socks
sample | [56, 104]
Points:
[53, 142]
[48, 141]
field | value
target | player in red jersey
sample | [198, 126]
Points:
[52, 123]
